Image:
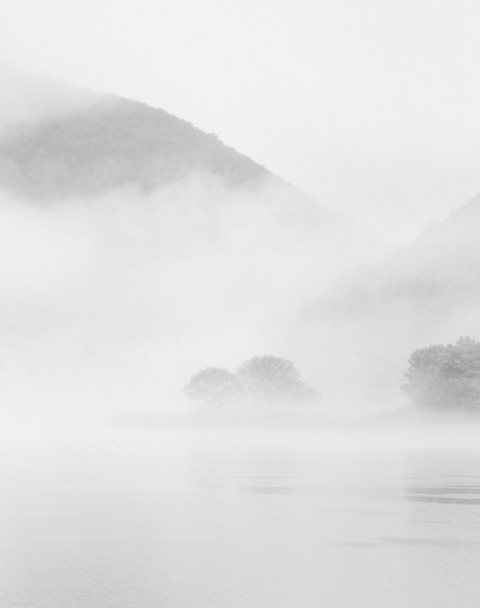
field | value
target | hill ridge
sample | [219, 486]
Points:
[110, 144]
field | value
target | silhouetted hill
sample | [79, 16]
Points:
[425, 292]
[441, 265]
[112, 143]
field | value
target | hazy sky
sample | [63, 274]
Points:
[370, 106]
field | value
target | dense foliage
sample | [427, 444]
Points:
[445, 377]
[272, 379]
[113, 143]
[215, 387]
[260, 381]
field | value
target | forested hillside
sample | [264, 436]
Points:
[113, 143]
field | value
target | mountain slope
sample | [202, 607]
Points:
[441, 265]
[27, 97]
[426, 292]
[112, 143]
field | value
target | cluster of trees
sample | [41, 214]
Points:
[260, 381]
[445, 377]
[439, 377]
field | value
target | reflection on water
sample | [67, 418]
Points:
[235, 519]
[443, 543]
[444, 494]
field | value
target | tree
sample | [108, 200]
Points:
[445, 377]
[215, 387]
[272, 379]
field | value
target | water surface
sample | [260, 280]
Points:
[237, 518]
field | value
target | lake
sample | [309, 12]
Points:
[239, 518]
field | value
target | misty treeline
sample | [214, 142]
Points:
[260, 382]
[439, 377]
[445, 377]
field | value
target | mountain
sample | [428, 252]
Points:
[59, 141]
[440, 268]
[425, 292]
[27, 97]
[112, 143]
[192, 254]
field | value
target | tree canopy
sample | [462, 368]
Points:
[260, 381]
[270, 378]
[445, 377]
[215, 387]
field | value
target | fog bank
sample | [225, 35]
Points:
[109, 305]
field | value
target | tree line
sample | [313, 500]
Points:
[438, 378]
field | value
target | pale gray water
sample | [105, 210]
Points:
[183, 519]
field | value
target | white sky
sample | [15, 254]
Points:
[373, 107]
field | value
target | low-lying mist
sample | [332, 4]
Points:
[423, 293]
[109, 305]
[121, 280]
